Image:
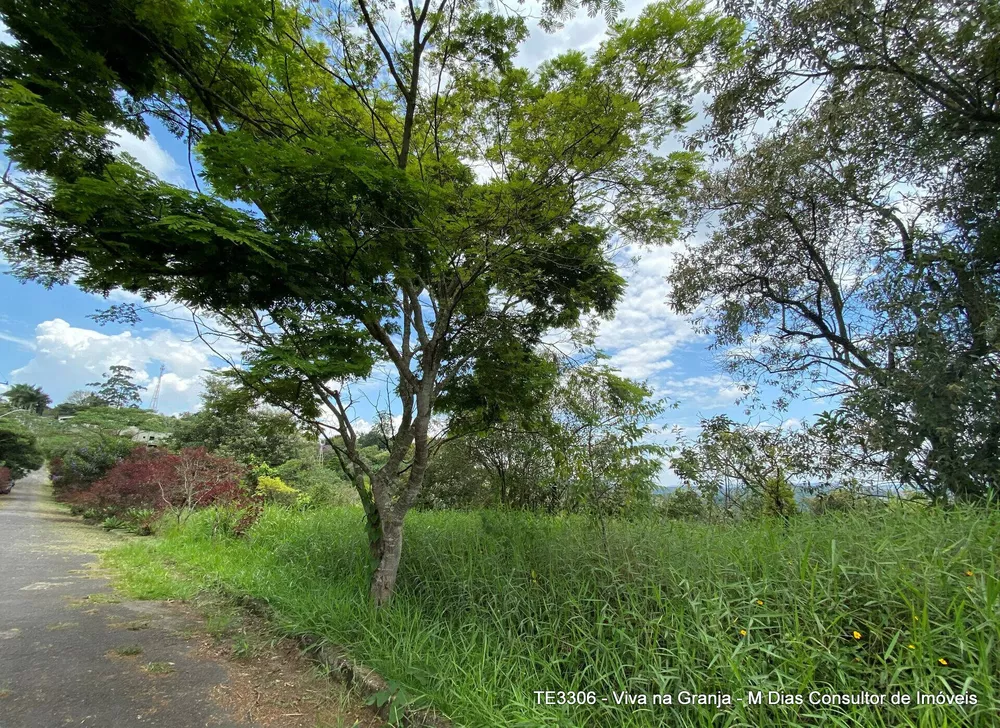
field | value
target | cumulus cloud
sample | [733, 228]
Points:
[149, 154]
[644, 331]
[67, 358]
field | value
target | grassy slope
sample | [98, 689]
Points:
[89, 426]
[493, 607]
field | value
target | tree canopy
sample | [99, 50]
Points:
[18, 449]
[118, 388]
[853, 245]
[413, 200]
[26, 397]
[231, 422]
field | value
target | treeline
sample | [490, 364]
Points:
[232, 452]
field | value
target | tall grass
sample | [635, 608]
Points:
[493, 607]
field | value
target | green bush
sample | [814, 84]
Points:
[141, 521]
[682, 503]
[82, 466]
[324, 485]
[274, 490]
[111, 523]
[112, 420]
[842, 500]
[19, 452]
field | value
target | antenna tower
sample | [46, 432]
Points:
[155, 401]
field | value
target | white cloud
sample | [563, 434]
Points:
[645, 331]
[713, 391]
[68, 358]
[149, 154]
[26, 343]
[580, 33]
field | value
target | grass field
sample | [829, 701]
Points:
[493, 607]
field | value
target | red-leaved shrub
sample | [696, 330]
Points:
[151, 478]
[5, 481]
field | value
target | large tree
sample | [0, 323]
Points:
[379, 187]
[26, 397]
[118, 388]
[853, 242]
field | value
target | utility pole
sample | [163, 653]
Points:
[155, 401]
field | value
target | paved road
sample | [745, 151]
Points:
[60, 627]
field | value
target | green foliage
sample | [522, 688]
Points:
[583, 445]
[855, 243]
[459, 475]
[111, 523]
[541, 604]
[274, 490]
[604, 455]
[72, 75]
[141, 521]
[81, 449]
[845, 500]
[77, 402]
[682, 504]
[112, 420]
[117, 388]
[232, 422]
[746, 470]
[79, 466]
[323, 484]
[26, 397]
[19, 451]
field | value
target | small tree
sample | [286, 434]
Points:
[27, 397]
[604, 451]
[118, 388]
[585, 446]
[233, 422]
[743, 468]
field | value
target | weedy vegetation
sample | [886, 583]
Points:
[493, 606]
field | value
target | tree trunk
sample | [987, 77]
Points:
[373, 527]
[384, 578]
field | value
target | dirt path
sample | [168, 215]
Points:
[72, 653]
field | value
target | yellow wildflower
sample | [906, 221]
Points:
[743, 633]
[857, 635]
[911, 647]
[942, 661]
[968, 572]
[760, 603]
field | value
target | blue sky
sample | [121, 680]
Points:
[47, 339]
